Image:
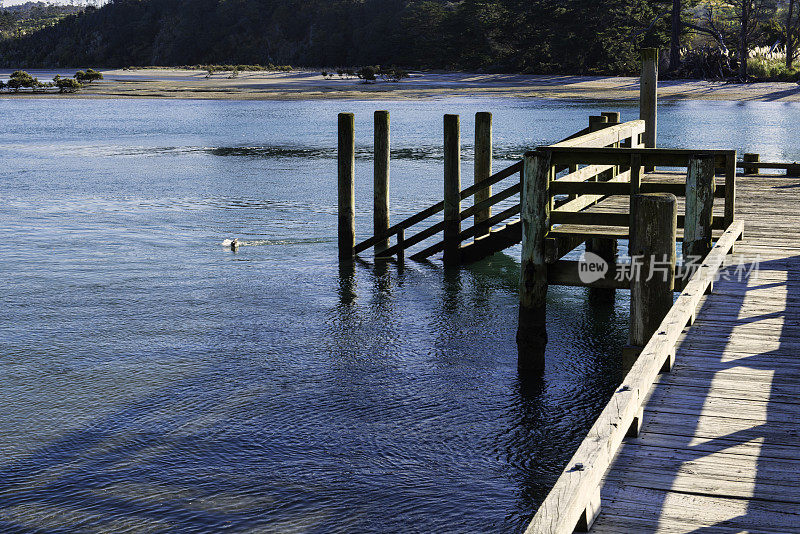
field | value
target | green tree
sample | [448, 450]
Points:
[66, 85]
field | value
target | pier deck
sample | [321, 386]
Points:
[719, 446]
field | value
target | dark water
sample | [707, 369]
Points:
[152, 380]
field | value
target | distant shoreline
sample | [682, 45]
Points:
[310, 85]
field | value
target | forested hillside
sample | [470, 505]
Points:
[501, 35]
[705, 38]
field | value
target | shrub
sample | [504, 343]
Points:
[393, 74]
[88, 77]
[66, 85]
[368, 73]
[20, 79]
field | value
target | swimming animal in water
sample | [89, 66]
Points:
[235, 244]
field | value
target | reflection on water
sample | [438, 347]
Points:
[153, 380]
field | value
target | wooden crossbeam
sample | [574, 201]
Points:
[663, 157]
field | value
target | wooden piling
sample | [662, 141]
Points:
[699, 208]
[346, 189]
[452, 189]
[483, 164]
[648, 95]
[751, 158]
[380, 213]
[652, 248]
[535, 216]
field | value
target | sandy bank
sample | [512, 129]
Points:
[175, 83]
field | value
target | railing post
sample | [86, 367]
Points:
[535, 216]
[648, 95]
[346, 190]
[606, 248]
[636, 184]
[652, 249]
[730, 188]
[699, 208]
[401, 242]
[380, 207]
[483, 164]
[750, 158]
[613, 116]
[452, 189]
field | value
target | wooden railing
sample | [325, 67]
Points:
[625, 134]
[635, 159]
[574, 501]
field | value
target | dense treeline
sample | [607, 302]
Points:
[701, 38]
[590, 36]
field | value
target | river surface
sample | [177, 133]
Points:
[152, 380]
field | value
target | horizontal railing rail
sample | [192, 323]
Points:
[650, 157]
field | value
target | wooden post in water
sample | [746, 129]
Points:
[652, 248]
[483, 164]
[751, 158]
[346, 189]
[535, 216]
[452, 189]
[380, 214]
[699, 208]
[648, 96]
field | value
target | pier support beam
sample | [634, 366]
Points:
[535, 215]
[648, 95]
[346, 189]
[380, 214]
[652, 249]
[699, 208]
[452, 189]
[483, 164]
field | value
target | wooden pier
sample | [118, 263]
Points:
[714, 444]
[703, 433]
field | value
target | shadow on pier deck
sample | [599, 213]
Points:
[719, 448]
